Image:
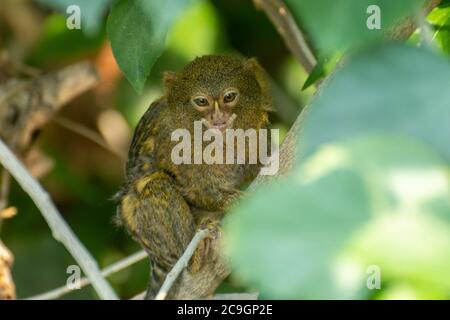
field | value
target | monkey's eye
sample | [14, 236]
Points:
[230, 96]
[201, 101]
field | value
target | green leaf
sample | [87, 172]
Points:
[311, 235]
[409, 237]
[401, 174]
[284, 239]
[317, 73]
[440, 19]
[394, 89]
[91, 12]
[137, 30]
[321, 69]
[342, 24]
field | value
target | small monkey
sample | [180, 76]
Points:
[163, 204]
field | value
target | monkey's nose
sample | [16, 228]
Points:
[217, 115]
[216, 106]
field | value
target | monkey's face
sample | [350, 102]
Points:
[221, 91]
[217, 111]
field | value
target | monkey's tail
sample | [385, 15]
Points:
[157, 277]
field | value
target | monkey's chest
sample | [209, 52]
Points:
[210, 186]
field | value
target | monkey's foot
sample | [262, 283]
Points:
[201, 255]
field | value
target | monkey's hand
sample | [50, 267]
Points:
[202, 254]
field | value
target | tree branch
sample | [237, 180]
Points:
[282, 19]
[61, 231]
[87, 133]
[106, 272]
[34, 102]
[181, 264]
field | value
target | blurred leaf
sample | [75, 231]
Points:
[321, 69]
[348, 20]
[394, 89]
[283, 239]
[401, 174]
[317, 73]
[440, 19]
[61, 45]
[293, 239]
[91, 12]
[197, 31]
[444, 3]
[291, 74]
[137, 30]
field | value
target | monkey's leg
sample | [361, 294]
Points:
[160, 219]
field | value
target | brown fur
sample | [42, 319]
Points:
[163, 204]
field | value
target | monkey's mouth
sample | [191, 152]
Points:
[220, 124]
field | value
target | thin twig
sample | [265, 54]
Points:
[106, 272]
[60, 229]
[236, 296]
[87, 133]
[282, 19]
[181, 264]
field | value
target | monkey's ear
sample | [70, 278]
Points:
[252, 64]
[169, 77]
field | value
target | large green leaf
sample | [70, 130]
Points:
[296, 238]
[91, 12]
[137, 30]
[285, 238]
[409, 237]
[342, 24]
[394, 89]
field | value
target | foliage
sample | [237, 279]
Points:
[137, 30]
[355, 199]
[348, 18]
[371, 185]
[92, 11]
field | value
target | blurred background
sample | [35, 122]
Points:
[81, 175]
[352, 200]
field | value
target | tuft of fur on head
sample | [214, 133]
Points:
[213, 73]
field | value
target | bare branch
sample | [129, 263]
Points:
[27, 105]
[109, 270]
[282, 19]
[237, 296]
[87, 133]
[181, 264]
[60, 229]
[219, 296]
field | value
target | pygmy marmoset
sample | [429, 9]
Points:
[162, 204]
